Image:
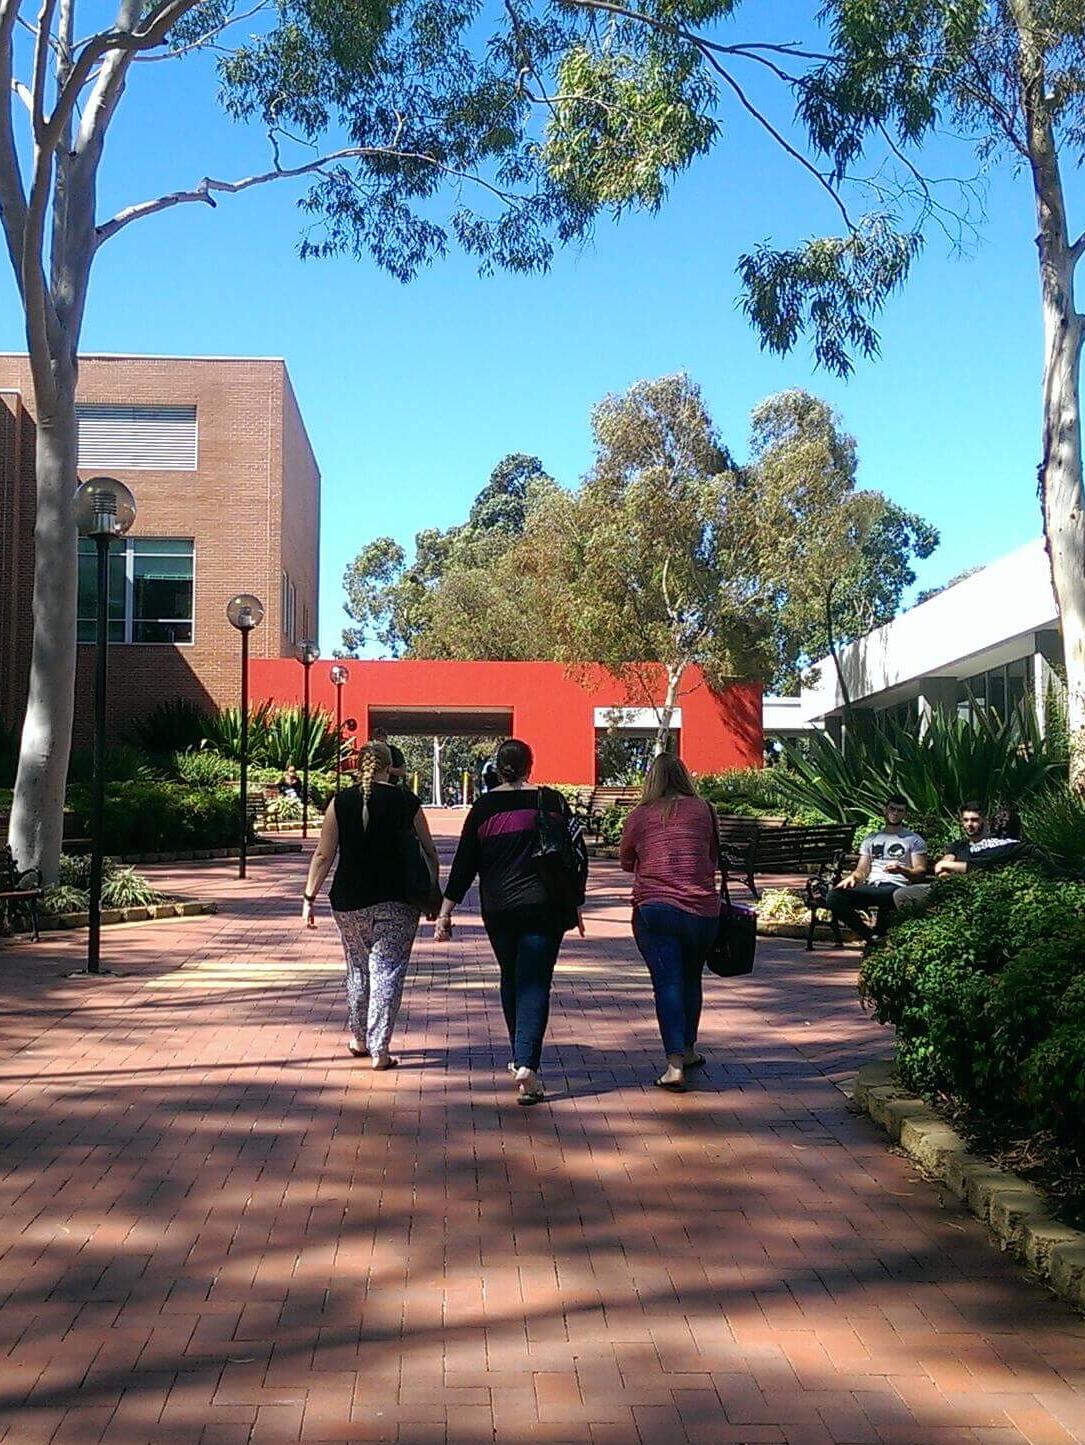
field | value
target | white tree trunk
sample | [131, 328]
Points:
[1064, 510]
[1060, 473]
[37, 814]
[666, 712]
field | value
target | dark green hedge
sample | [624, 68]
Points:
[146, 817]
[986, 990]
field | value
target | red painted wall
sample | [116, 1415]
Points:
[551, 710]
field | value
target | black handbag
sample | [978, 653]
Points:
[553, 855]
[418, 885]
[732, 953]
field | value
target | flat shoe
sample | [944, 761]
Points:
[382, 1068]
[359, 1053]
[673, 1086]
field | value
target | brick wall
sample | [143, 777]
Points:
[232, 507]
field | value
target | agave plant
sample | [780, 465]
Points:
[1054, 820]
[203, 769]
[172, 727]
[222, 732]
[287, 740]
[953, 760]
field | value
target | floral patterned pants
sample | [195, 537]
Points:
[377, 942]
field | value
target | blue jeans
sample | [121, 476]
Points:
[674, 944]
[527, 960]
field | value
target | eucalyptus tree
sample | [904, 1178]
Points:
[380, 113]
[858, 104]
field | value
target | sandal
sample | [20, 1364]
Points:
[358, 1050]
[531, 1096]
[673, 1086]
[389, 1063]
[697, 1062]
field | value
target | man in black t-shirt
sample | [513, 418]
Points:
[980, 848]
[397, 773]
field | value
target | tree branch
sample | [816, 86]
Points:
[1077, 249]
[208, 186]
[41, 62]
[12, 188]
[207, 38]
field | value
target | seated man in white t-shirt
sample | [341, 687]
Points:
[980, 847]
[888, 860]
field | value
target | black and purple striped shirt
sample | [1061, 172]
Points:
[495, 845]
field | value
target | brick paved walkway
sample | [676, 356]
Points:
[217, 1227]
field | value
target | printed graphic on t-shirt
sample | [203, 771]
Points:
[885, 848]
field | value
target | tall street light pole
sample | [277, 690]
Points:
[245, 612]
[310, 653]
[339, 675]
[104, 509]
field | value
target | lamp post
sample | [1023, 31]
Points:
[244, 612]
[339, 675]
[310, 653]
[104, 508]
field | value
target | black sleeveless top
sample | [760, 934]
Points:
[370, 864]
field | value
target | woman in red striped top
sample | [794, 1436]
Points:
[669, 844]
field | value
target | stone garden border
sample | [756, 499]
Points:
[1014, 1210]
[189, 908]
[198, 855]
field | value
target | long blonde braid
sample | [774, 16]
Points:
[374, 758]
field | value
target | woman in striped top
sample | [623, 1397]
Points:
[670, 845]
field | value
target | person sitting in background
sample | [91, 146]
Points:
[984, 843]
[289, 784]
[889, 859]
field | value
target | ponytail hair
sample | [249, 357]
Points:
[374, 758]
[514, 760]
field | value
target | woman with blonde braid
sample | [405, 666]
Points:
[364, 825]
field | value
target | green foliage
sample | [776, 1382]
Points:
[954, 760]
[153, 817]
[203, 769]
[749, 792]
[986, 990]
[1054, 819]
[125, 888]
[65, 898]
[222, 732]
[121, 887]
[286, 740]
[172, 727]
[781, 905]
[611, 822]
[122, 763]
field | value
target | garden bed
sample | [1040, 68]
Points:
[1022, 1217]
[174, 908]
[193, 855]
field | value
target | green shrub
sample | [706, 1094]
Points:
[1054, 820]
[125, 888]
[145, 817]
[122, 763]
[172, 727]
[204, 769]
[781, 905]
[611, 823]
[65, 898]
[986, 990]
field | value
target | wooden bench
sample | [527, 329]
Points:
[611, 796]
[754, 845]
[19, 888]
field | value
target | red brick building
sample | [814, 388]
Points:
[228, 500]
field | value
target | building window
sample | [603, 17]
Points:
[137, 438]
[150, 590]
[999, 693]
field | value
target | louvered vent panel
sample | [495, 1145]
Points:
[137, 438]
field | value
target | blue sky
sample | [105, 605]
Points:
[412, 393]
